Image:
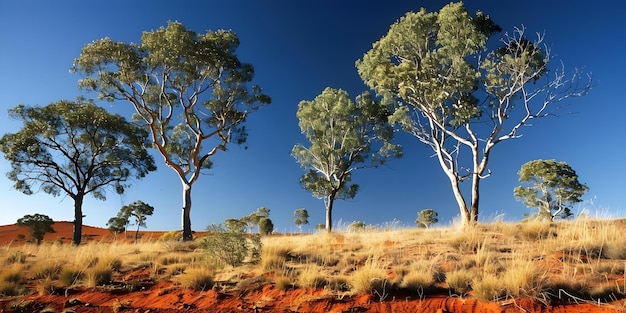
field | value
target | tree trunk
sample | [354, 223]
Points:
[78, 219]
[329, 213]
[137, 232]
[187, 235]
[473, 214]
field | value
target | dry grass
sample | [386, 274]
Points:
[583, 258]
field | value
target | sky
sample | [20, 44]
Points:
[298, 48]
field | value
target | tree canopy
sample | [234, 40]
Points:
[189, 89]
[344, 136]
[138, 210]
[38, 225]
[426, 217]
[549, 186]
[74, 148]
[457, 95]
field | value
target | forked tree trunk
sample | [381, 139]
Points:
[186, 216]
[78, 219]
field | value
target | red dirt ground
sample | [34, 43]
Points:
[261, 297]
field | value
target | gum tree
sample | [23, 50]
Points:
[344, 136]
[549, 186]
[459, 97]
[138, 210]
[75, 149]
[38, 225]
[190, 90]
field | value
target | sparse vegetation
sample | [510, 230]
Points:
[579, 259]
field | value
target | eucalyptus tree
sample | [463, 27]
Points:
[301, 217]
[138, 210]
[75, 149]
[190, 90]
[549, 186]
[344, 136]
[38, 225]
[457, 95]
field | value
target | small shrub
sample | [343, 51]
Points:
[118, 305]
[45, 269]
[459, 282]
[17, 257]
[311, 277]
[283, 283]
[46, 286]
[9, 289]
[488, 288]
[12, 274]
[176, 235]
[367, 277]
[70, 276]
[196, 279]
[417, 280]
[100, 274]
[231, 247]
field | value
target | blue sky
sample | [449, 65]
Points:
[298, 48]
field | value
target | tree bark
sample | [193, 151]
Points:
[186, 217]
[78, 219]
[329, 213]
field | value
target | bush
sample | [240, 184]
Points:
[175, 235]
[196, 279]
[231, 247]
[69, 277]
[459, 282]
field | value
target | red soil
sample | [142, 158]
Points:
[256, 297]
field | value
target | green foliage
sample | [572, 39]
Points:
[301, 217]
[550, 186]
[189, 89]
[266, 226]
[449, 88]
[344, 135]
[231, 247]
[426, 217]
[138, 210]
[235, 225]
[254, 218]
[38, 224]
[74, 148]
[356, 226]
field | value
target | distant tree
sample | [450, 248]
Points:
[117, 225]
[266, 226]
[459, 97]
[426, 217]
[301, 217]
[139, 211]
[255, 217]
[549, 186]
[320, 226]
[74, 148]
[38, 224]
[344, 136]
[235, 225]
[357, 226]
[190, 90]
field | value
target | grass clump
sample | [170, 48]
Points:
[368, 277]
[196, 279]
[459, 282]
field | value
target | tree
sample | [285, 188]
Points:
[117, 225]
[343, 136]
[139, 210]
[190, 90]
[38, 224]
[74, 148]
[235, 225]
[254, 218]
[426, 217]
[551, 187]
[266, 226]
[424, 63]
[301, 217]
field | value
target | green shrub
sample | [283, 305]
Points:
[231, 247]
[459, 282]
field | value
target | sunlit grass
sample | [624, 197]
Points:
[583, 257]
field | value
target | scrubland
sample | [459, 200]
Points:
[582, 260]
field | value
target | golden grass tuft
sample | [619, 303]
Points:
[196, 279]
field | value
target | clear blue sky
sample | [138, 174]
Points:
[298, 48]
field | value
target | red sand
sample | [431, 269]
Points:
[263, 297]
